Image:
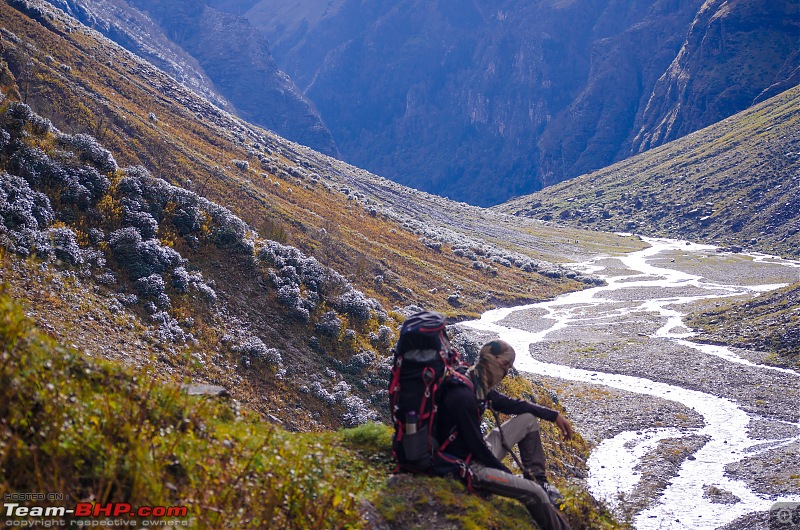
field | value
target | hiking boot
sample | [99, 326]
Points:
[556, 499]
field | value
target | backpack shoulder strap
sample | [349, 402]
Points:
[455, 376]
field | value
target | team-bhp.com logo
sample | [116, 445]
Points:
[784, 516]
[92, 514]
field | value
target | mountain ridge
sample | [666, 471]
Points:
[475, 104]
[733, 184]
[216, 54]
[517, 97]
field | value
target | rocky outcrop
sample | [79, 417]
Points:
[737, 53]
[590, 132]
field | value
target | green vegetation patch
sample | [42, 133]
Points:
[101, 432]
[769, 322]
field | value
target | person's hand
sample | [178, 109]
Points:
[564, 426]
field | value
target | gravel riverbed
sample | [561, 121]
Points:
[633, 327]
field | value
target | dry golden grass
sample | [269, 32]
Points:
[142, 120]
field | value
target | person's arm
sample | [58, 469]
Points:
[508, 405]
[564, 426]
[464, 408]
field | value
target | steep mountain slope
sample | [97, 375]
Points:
[136, 32]
[116, 263]
[268, 259]
[735, 183]
[481, 102]
[219, 55]
[737, 53]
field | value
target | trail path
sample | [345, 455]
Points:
[742, 416]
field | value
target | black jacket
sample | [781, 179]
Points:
[461, 409]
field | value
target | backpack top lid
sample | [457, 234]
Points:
[424, 322]
[421, 331]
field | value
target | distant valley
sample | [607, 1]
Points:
[478, 103]
[188, 291]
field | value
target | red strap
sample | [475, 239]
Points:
[461, 377]
[468, 473]
[427, 394]
[394, 386]
[449, 440]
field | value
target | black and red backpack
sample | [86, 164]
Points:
[423, 360]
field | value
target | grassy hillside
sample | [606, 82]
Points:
[212, 245]
[100, 431]
[769, 323]
[734, 183]
[156, 240]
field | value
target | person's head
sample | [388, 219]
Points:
[494, 361]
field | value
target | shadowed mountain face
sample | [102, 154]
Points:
[219, 55]
[734, 183]
[484, 101]
[737, 53]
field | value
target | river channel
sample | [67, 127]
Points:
[627, 339]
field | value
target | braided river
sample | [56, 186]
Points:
[629, 336]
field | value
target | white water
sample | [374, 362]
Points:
[682, 504]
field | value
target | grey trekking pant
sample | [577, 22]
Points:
[522, 430]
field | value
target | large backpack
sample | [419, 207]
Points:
[423, 359]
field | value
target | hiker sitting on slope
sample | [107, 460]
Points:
[460, 413]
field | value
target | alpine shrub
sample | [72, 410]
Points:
[383, 338]
[142, 258]
[131, 184]
[77, 195]
[22, 207]
[318, 391]
[361, 360]
[90, 151]
[18, 115]
[206, 290]
[357, 412]
[187, 220]
[64, 246]
[180, 280]
[23, 212]
[96, 235]
[329, 325]
[290, 273]
[5, 139]
[33, 164]
[229, 230]
[355, 304]
[142, 221]
[91, 180]
[253, 348]
[169, 330]
[289, 295]
[150, 286]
